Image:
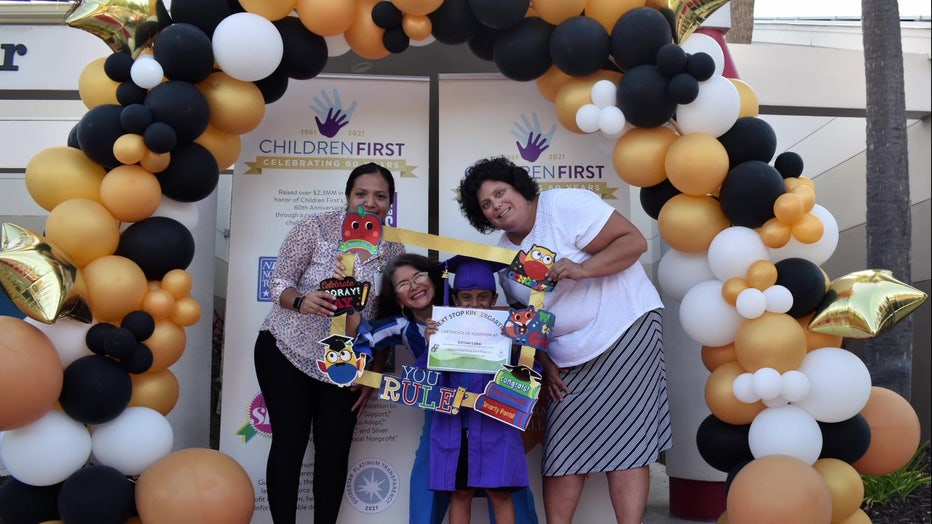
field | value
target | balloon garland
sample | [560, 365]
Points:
[790, 408]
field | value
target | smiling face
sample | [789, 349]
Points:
[505, 208]
[414, 289]
[372, 193]
[475, 298]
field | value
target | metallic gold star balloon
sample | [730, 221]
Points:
[865, 304]
[38, 278]
[690, 14]
[127, 26]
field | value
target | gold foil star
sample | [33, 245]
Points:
[864, 304]
[38, 278]
[690, 14]
[127, 26]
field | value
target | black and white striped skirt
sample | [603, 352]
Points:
[616, 416]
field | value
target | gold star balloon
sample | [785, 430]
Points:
[38, 278]
[127, 26]
[690, 14]
[865, 304]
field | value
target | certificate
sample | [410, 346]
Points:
[469, 340]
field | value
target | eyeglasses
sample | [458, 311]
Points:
[405, 285]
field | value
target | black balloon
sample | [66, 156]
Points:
[185, 52]
[789, 164]
[95, 390]
[22, 503]
[191, 175]
[72, 140]
[733, 473]
[118, 67]
[671, 60]
[654, 197]
[701, 66]
[180, 105]
[96, 494]
[499, 14]
[847, 440]
[805, 281]
[139, 360]
[205, 14]
[129, 93]
[482, 42]
[386, 15]
[273, 86]
[140, 323]
[750, 138]
[643, 97]
[158, 245]
[395, 40]
[683, 88]
[453, 22]
[119, 343]
[97, 131]
[160, 137]
[522, 52]
[748, 192]
[723, 446]
[95, 335]
[579, 46]
[305, 53]
[637, 37]
[135, 118]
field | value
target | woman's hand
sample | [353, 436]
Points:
[364, 393]
[565, 268]
[553, 383]
[318, 303]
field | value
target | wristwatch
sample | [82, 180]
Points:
[297, 302]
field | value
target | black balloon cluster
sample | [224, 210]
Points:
[124, 343]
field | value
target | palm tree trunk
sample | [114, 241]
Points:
[742, 22]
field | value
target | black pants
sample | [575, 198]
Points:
[294, 401]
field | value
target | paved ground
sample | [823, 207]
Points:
[658, 507]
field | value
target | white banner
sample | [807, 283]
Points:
[296, 162]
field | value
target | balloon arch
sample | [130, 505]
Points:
[794, 418]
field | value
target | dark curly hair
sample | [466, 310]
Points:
[388, 299]
[499, 169]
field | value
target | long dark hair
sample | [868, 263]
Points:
[371, 168]
[499, 169]
[388, 305]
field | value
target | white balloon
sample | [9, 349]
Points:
[425, 42]
[733, 250]
[767, 383]
[67, 335]
[587, 118]
[700, 43]
[247, 46]
[603, 93]
[146, 72]
[839, 384]
[706, 317]
[714, 110]
[47, 451]
[779, 299]
[818, 252]
[785, 430]
[133, 441]
[751, 303]
[679, 271]
[611, 120]
[794, 385]
[337, 45]
[743, 388]
[184, 212]
[775, 402]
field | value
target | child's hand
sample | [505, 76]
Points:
[364, 393]
[431, 329]
[553, 383]
[353, 320]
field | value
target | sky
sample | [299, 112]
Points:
[843, 8]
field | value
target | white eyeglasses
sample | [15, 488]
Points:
[405, 285]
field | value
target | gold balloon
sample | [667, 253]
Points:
[778, 489]
[269, 9]
[788, 208]
[689, 223]
[808, 229]
[762, 274]
[864, 304]
[895, 433]
[39, 278]
[772, 340]
[775, 233]
[845, 485]
[31, 375]
[720, 396]
[549, 83]
[639, 157]
[326, 17]
[417, 7]
[690, 14]
[84, 229]
[696, 163]
[732, 288]
[858, 517]
[225, 147]
[178, 282]
[363, 36]
[126, 26]
[167, 344]
[236, 106]
[115, 287]
[417, 27]
[158, 162]
[59, 173]
[130, 193]
[187, 312]
[575, 93]
[748, 99]
[159, 303]
[713, 357]
[156, 390]
[129, 148]
[557, 11]
[94, 86]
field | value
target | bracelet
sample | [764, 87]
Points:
[297, 302]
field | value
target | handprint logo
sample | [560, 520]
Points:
[531, 139]
[331, 117]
